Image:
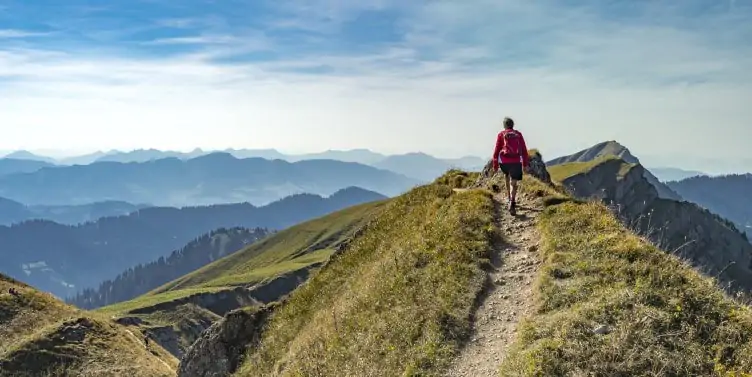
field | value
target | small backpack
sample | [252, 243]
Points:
[512, 144]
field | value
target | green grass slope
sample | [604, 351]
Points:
[563, 171]
[289, 250]
[42, 336]
[664, 318]
[395, 302]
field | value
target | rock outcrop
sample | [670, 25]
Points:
[220, 349]
[613, 148]
[713, 245]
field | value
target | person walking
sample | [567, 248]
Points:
[511, 156]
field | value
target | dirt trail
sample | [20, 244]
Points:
[507, 297]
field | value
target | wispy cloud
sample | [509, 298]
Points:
[326, 74]
[12, 33]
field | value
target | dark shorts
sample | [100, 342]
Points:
[514, 170]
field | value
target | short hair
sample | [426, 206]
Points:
[508, 123]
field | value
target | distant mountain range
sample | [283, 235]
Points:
[675, 174]
[62, 259]
[143, 278]
[414, 165]
[13, 166]
[729, 196]
[209, 179]
[12, 212]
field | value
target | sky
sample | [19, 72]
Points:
[671, 80]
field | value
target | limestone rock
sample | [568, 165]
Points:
[220, 349]
[706, 240]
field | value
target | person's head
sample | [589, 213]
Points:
[508, 123]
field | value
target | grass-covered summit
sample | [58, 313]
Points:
[42, 336]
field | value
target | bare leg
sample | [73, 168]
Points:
[514, 191]
[507, 184]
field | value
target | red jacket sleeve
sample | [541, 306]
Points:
[525, 155]
[497, 150]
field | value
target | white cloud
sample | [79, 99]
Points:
[657, 87]
[14, 33]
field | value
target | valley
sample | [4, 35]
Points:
[421, 283]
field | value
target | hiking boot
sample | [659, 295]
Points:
[512, 208]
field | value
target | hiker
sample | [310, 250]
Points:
[511, 156]
[14, 292]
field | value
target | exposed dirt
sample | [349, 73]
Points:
[507, 297]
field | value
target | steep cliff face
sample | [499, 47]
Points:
[613, 148]
[710, 243]
[219, 350]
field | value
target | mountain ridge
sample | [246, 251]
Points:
[209, 179]
[52, 256]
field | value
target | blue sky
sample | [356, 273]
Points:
[669, 79]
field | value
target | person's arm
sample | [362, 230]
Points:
[525, 155]
[497, 150]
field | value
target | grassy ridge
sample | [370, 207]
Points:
[563, 171]
[395, 303]
[291, 249]
[40, 336]
[664, 317]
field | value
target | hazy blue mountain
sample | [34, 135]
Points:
[63, 259]
[209, 179]
[361, 156]
[269, 154]
[143, 278]
[26, 155]
[84, 159]
[666, 174]
[145, 155]
[12, 212]
[729, 196]
[425, 167]
[472, 163]
[12, 166]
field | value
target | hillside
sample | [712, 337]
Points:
[41, 336]
[141, 279]
[728, 196]
[442, 281]
[210, 179]
[439, 276]
[708, 241]
[424, 167]
[613, 148]
[64, 259]
[12, 212]
[10, 166]
[674, 174]
[259, 273]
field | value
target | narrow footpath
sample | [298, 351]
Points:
[508, 294]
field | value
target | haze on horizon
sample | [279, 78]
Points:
[670, 81]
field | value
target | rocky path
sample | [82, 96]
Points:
[508, 294]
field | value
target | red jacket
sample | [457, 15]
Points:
[509, 160]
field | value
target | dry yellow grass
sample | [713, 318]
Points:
[41, 336]
[396, 302]
[665, 318]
